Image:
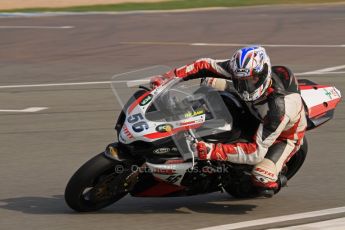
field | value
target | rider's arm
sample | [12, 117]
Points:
[205, 67]
[201, 68]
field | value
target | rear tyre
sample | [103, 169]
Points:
[296, 162]
[243, 188]
[93, 185]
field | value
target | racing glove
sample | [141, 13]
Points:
[208, 151]
[216, 83]
[158, 80]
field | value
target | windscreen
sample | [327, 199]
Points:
[182, 103]
[125, 85]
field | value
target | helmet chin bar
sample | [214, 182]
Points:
[258, 92]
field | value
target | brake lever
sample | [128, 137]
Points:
[192, 141]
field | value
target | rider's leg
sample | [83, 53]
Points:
[265, 174]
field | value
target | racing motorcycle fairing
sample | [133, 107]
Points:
[159, 114]
[157, 130]
[320, 102]
[152, 125]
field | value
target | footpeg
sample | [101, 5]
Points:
[267, 193]
[282, 181]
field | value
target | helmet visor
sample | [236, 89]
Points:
[250, 83]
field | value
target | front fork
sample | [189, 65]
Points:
[112, 151]
[133, 167]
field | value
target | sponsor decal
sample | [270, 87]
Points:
[164, 128]
[334, 93]
[146, 100]
[139, 125]
[164, 171]
[176, 161]
[189, 68]
[126, 131]
[200, 120]
[161, 150]
[195, 113]
[327, 93]
[260, 170]
[246, 71]
[173, 179]
[187, 123]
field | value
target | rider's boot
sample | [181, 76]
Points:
[265, 178]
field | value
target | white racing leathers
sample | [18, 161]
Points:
[282, 115]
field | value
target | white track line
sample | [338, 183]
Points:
[269, 45]
[36, 27]
[54, 14]
[278, 219]
[130, 82]
[55, 84]
[325, 70]
[235, 44]
[335, 224]
[27, 110]
[320, 73]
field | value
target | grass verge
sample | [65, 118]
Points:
[170, 5]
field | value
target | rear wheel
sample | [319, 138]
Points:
[296, 162]
[95, 185]
[243, 188]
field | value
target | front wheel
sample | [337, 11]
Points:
[95, 185]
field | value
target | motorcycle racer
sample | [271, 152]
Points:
[271, 95]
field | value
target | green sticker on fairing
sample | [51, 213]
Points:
[146, 100]
[327, 93]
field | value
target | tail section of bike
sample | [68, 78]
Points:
[320, 102]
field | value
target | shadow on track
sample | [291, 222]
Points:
[183, 205]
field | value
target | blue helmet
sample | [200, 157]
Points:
[251, 69]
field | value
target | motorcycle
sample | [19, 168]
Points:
[157, 129]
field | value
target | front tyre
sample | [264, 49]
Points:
[95, 185]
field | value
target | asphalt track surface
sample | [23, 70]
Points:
[40, 151]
